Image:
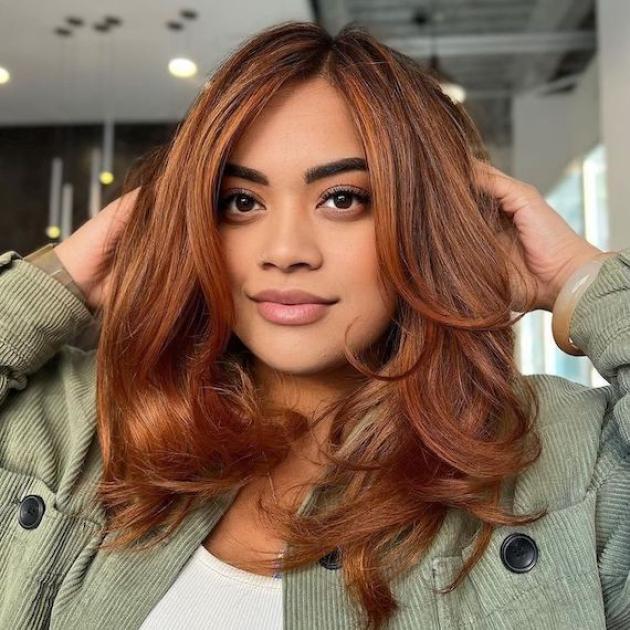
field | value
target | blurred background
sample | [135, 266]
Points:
[88, 87]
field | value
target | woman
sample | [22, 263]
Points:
[228, 457]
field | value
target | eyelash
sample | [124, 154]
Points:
[354, 192]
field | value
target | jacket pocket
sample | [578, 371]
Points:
[38, 545]
[537, 576]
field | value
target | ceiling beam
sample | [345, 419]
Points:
[386, 13]
[494, 44]
[559, 14]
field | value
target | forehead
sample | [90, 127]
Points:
[305, 124]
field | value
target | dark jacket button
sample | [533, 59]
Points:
[332, 560]
[32, 509]
[519, 553]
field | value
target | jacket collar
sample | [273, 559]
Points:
[120, 589]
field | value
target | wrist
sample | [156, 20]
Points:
[73, 268]
[575, 262]
[47, 259]
[581, 277]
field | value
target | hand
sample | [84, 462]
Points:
[546, 250]
[83, 252]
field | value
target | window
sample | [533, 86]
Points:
[580, 197]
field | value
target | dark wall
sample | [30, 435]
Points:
[25, 165]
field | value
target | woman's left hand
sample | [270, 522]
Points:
[547, 251]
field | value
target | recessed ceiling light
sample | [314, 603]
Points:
[5, 75]
[182, 67]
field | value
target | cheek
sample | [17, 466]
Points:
[359, 281]
[359, 264]
[236, 263]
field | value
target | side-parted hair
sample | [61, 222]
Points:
[440, 417]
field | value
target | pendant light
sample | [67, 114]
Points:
[181, 64]
[105, 28]
[454, 90]
[53, 227]
[67, 195]
[94, 194]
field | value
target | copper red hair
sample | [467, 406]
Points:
[440, 416]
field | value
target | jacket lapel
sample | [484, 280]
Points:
[120, 589]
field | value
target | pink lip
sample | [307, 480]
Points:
[292, 314]
[290, 296]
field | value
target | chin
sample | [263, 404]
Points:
[299, 363]
[300, 368]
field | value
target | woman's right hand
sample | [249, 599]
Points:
[83, 251]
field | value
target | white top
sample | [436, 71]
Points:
[209, 593]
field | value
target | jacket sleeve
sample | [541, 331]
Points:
[38, 316]
[600, 326]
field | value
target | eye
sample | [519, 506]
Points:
[243, 202]
[343, 196]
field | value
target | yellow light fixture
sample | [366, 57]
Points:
[106, 170]
[5, 75]
[182, 67]
[106, 177]
[53, 231]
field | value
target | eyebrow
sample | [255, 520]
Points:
[310, 175]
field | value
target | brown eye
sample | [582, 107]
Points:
[344, 197]
[243, 203]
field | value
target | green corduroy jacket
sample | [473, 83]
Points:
[568, 570]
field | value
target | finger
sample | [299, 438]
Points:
[492, 179]
[511, 192]
[126, 201]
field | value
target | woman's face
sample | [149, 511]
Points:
[284, 227]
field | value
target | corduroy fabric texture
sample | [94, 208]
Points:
[51, 575]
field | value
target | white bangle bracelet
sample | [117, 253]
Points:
[570, 293]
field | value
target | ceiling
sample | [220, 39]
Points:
[494, 48]
[124, 71]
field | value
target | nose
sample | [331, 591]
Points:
[290, 240]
